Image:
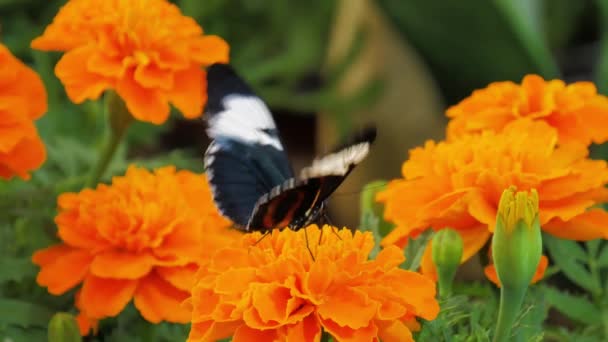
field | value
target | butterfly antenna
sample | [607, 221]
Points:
[307, 245]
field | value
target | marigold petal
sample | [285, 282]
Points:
[586, 226]
[389, 257]
[27, 155]
[273, 305]
[210, 49]
[306, 330]
[347, 334]
[86, 324]
[144, 104]
[151, 76]
[158, 300]
[212, 331]
[122, 265]
[50, 254]
[79, 82]
[189, 92]
[348, 307]
[482, 209]
[184, 241]
[68, 268]
[318, 279]
[103, 297]
[182, 277]
[247, 334]
[394, 331]
[226, 284]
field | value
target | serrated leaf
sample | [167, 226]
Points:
[566, 255]
[24, 314]
[577, 308]
[415, 250]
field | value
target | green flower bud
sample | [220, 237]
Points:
[447, 253]
[517, 241]
[63, 328]
[516, 250]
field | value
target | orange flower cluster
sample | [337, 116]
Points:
[272, 290]
[140, 238]
[22, 100]
[145, 50]
[577, 111]
[458, 184]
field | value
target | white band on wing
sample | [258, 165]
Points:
[338, 163]
[244, 118]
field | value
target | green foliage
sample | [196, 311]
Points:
[477, 42]
[372, 214]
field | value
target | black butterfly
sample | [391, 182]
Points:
[250, 176]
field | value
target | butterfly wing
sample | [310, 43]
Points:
[296, 203]
[245, 159]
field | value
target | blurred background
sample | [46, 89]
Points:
[326, 68]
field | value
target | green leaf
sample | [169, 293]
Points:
[371, 208]
[577, 308]
[469, 44]
[15, 269]
[567, 255]
[415, 250]
[593, 247]
[24, 314]
[16, 334]
[602, 259]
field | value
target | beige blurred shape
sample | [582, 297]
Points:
[409, 111]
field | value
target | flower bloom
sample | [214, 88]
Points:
[22, 100]
[458, 184]
[145, 50]
[271, 289]
[576, 110]
[141, 238]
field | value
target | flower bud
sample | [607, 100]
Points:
[517, 241]
[63, 328]
[447, 253]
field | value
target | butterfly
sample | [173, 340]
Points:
[248, 170]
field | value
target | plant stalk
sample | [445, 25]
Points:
[119, 120]
[510, 304]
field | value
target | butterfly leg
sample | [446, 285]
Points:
[307, 245]
[266, 233]
[328, 221]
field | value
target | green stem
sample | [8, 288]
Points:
[510, 304]
[325, 337]
[602, 68]
[119, 120]
[445, 281]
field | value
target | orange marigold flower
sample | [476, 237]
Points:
[458, 184]
[141, 238]
[22, 100]
[272, 290]
[576, 110]
[145, 50]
